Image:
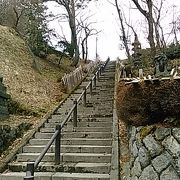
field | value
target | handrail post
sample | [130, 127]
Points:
[75, 114]
[103, 68]
[84, 97]
[91, 87]
[98, 75]
[100, 70]
[57, 145]
[95, 81]
[30, 171]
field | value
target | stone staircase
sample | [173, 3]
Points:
[86, 150]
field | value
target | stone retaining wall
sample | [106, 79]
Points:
[154, 153]
[3, 99]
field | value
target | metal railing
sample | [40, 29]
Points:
[56, 137]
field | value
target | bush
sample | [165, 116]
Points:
[15, 107]
[144, 104]
[173, 52]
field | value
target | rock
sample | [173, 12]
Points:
[161, 133]
[136, 170]
[153, 146]
[176, 134]
[169, 174]
[171, 145]
[144, 157]
[176, 165]
[134, 150]
[138, 140]
[161, 162]
[149, 174]
[131, 162]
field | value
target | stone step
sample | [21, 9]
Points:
[103, 168]
[96, 135]
[95, 113]
[96, 119]
[81, 176]
[55, 176]
[82, 116]
[53, 123]
[75, 141]
[79, 129]
[69, 148]
[67, 157]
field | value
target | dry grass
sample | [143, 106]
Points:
[34, 90]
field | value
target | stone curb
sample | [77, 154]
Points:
[115, 168]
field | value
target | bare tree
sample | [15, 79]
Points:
[71, 7]
[124, 36]
[160, 40]
[174, 24]
[86, 31]
[149, 16]
[156, 21]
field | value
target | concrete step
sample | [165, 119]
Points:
[69, 148]
[79, 129]
[81, 176]
[98, 115]
[96, 135]
[55, 176]
[75, 141]
[103, 168]
[96, 119]
[67, 157]
[95, 113]
[53, 123]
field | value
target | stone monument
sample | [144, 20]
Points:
[137, 52]
[161, 63]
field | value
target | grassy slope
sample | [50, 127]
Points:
[35, 91]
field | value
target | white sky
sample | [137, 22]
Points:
[106, 17]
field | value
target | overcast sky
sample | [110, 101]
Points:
[105, 16]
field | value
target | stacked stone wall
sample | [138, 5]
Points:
[154, 153]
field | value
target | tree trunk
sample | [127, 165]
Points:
[150, 24]
[83, 49]
[163, 42]
[149, 16]
[86, 49]
[124, 37]
[72, 20]
[157, 35]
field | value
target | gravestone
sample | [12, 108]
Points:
[3, 99]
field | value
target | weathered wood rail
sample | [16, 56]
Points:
[72, 79]
[121, 76]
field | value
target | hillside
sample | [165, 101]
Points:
[32, 90]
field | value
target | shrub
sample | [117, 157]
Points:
[143, 103]
[15, 107]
